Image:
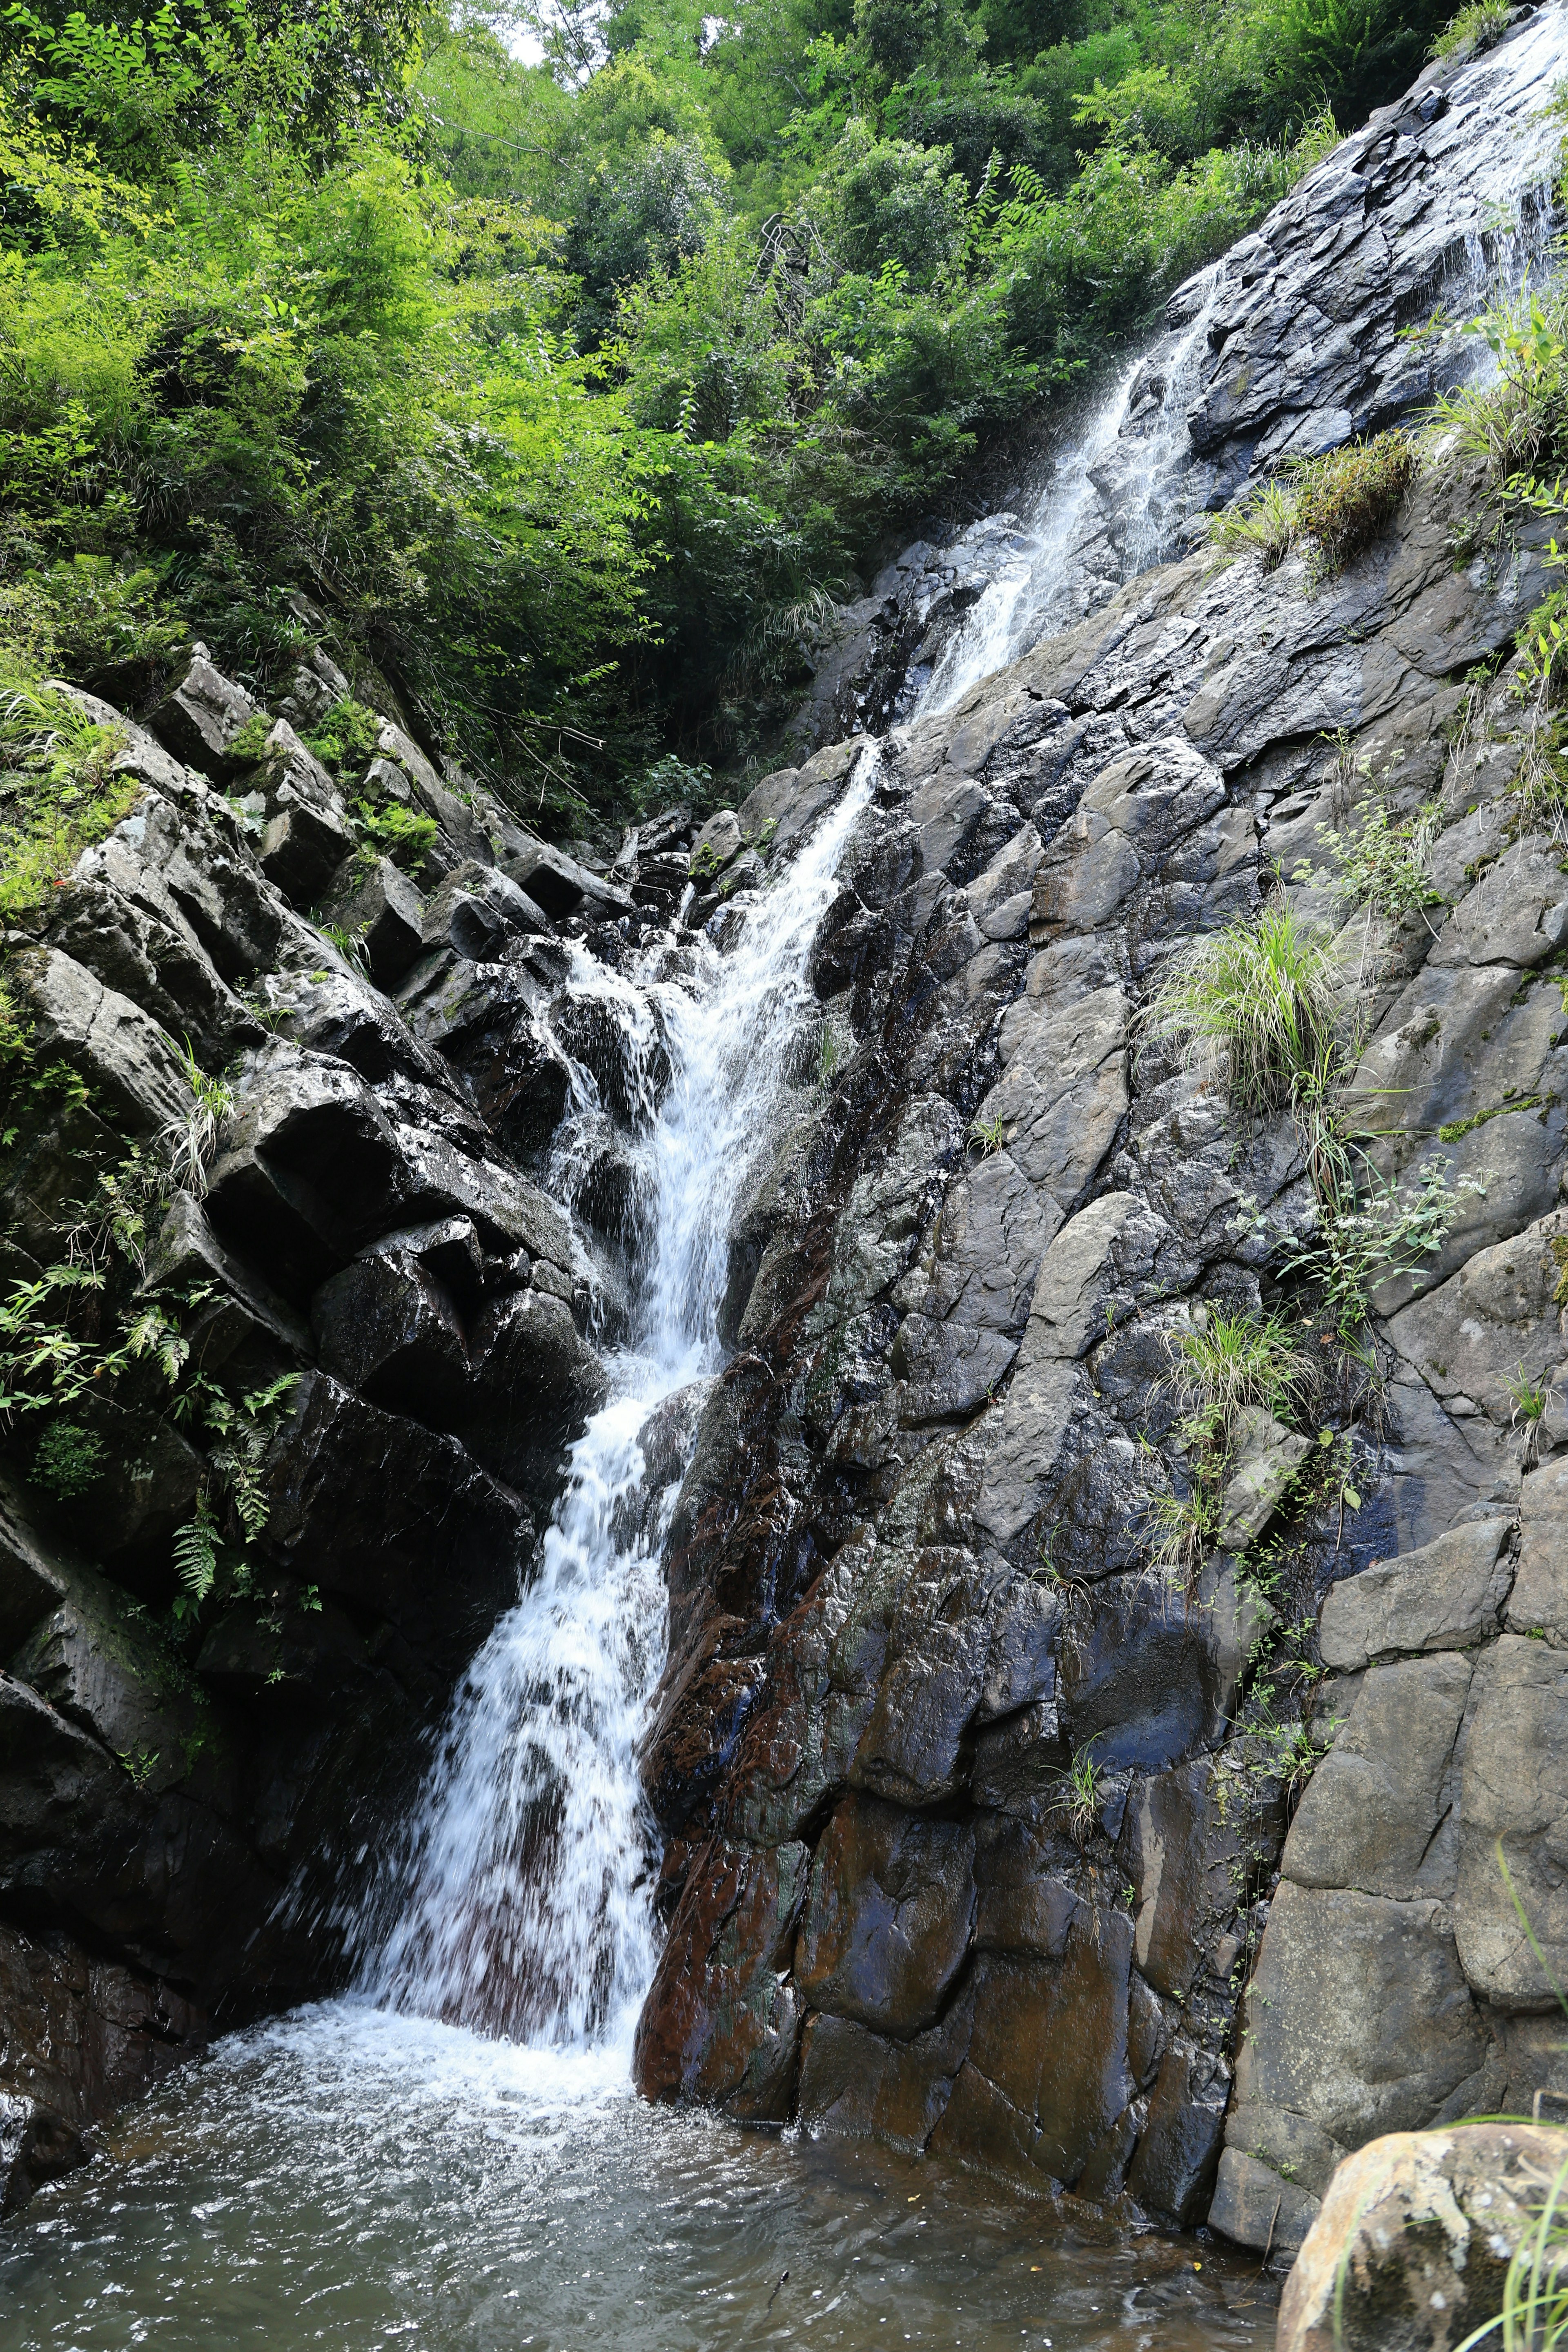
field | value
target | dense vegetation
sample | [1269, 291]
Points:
[572, 390]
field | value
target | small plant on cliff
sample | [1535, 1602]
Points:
[347, 736]
[1345, 500]
[68, 1459]
[1264, 519]
[1264, 996]
[1083, 1787]
[1228, 1363]
[1384, 865]
[1520, 419]
[1531, 1402]
[1476, 27]
[406, 836]
[190, 1140]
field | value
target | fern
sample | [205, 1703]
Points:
[197, 1548]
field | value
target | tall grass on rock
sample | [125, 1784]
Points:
[1263, 997]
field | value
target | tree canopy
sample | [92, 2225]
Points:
[569, 390]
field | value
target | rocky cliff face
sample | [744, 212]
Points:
[366, 1258]
[980, 1836]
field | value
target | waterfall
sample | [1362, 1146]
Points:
[521, 1904]
[1117, 495]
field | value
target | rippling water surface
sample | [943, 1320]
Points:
[354, 2179]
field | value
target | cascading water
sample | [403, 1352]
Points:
[1116, 496]
[521, 1905]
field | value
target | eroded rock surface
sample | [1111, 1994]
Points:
[909, 1566]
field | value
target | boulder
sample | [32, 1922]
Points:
[1446, 1596]
[1358, 2015]
[387, 913]
[303, 848]
[560, 886]
[478, 911]
[1371, 1814]
[1411, 2247]
[721, 2022]
[200, 717]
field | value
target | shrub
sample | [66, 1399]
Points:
[405, 834]
[1345, 500]
[1264, 994]
[1521, 418]
[347, 736]
[1384, 865]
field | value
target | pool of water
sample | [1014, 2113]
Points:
[351, 2179]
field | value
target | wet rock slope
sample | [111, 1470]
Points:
[983, 1833]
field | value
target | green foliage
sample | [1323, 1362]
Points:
[1341, 501]
[576, 394]
[1348, 499]
[189, 1141]
[1477, 27]
[1366, 1234]
[58, 793]
[1530, 1401]
[1082, 1794]
[1383, 865]
[1264, 519]
[347, 737]
[1264, 995]
[406, 836]
[68, 1460]
[1520, 419]
[1229, 1363]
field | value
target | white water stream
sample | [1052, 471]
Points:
[521, 1905]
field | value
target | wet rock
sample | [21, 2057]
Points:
[1046, 2075]
[386, 912]
[477, 911]
[83, 2035]
[560, 886]
[860, 2084]
[1411, 2245]
[1189, 1843]
[1179, 2146]
[887, 1917]
[722, 2023]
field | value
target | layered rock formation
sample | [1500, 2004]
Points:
[366, 1254]
[911, 1593]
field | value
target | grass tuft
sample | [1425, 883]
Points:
[1264, 995]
